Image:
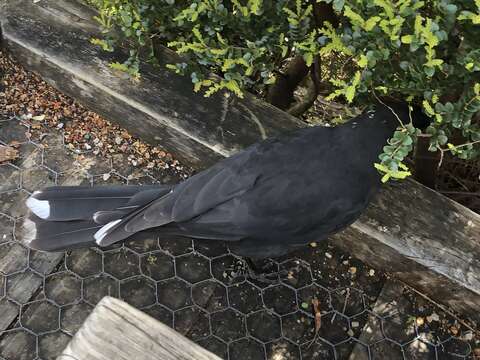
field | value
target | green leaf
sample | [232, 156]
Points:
[197, 86]
[371, 23]
[197, 34]
[219, 52]
[407, 141]
[232, 85]
[308, 58]
[407, 39]
[354, 18]
[350, 91]
[442, 139]
[451, 9]
[102, 43]
[428, 108]
[338, 5]
[400, 174]
[429, 71]
[383, 89]
[363, 62]
[403, 166]
[387, 7]
[220, 39]
[381, 167]
[476, 89]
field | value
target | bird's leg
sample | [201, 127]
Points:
[259, 270]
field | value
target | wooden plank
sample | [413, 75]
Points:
[197, 129]
[425, 239]
[116, 330]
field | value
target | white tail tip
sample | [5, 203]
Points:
[40, 208]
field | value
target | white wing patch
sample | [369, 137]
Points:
[100, 234]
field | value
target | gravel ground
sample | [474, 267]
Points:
[43, 107]
[192, 286]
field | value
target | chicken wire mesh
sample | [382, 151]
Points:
[196, 287]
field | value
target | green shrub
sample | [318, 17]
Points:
[425, 52]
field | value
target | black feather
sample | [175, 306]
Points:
[58, 236]
[72, 222]
[136, 201]
[80, 203]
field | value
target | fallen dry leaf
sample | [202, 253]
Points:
[7, 153]
[454, 330]
[318, 319]
[15, 144]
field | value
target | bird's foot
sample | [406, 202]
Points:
[265, 272]
[271, 278]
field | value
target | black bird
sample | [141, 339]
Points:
[264, 201]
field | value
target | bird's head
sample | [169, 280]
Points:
[406, 112]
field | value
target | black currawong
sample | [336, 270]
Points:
[264, 201]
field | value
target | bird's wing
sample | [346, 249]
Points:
[194, 197]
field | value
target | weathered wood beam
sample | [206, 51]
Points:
[116, 330]
[52, 37]
[425, 239]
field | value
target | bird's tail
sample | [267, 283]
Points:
[63, 218]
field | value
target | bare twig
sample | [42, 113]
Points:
[347, 297]
[459, 181]
[442, 154]
[393, 111]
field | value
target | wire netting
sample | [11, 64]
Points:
[196, 287]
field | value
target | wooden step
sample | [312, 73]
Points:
[116, 330]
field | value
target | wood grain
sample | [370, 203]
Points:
[161, 107]
[423, 238]
[116, 330]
